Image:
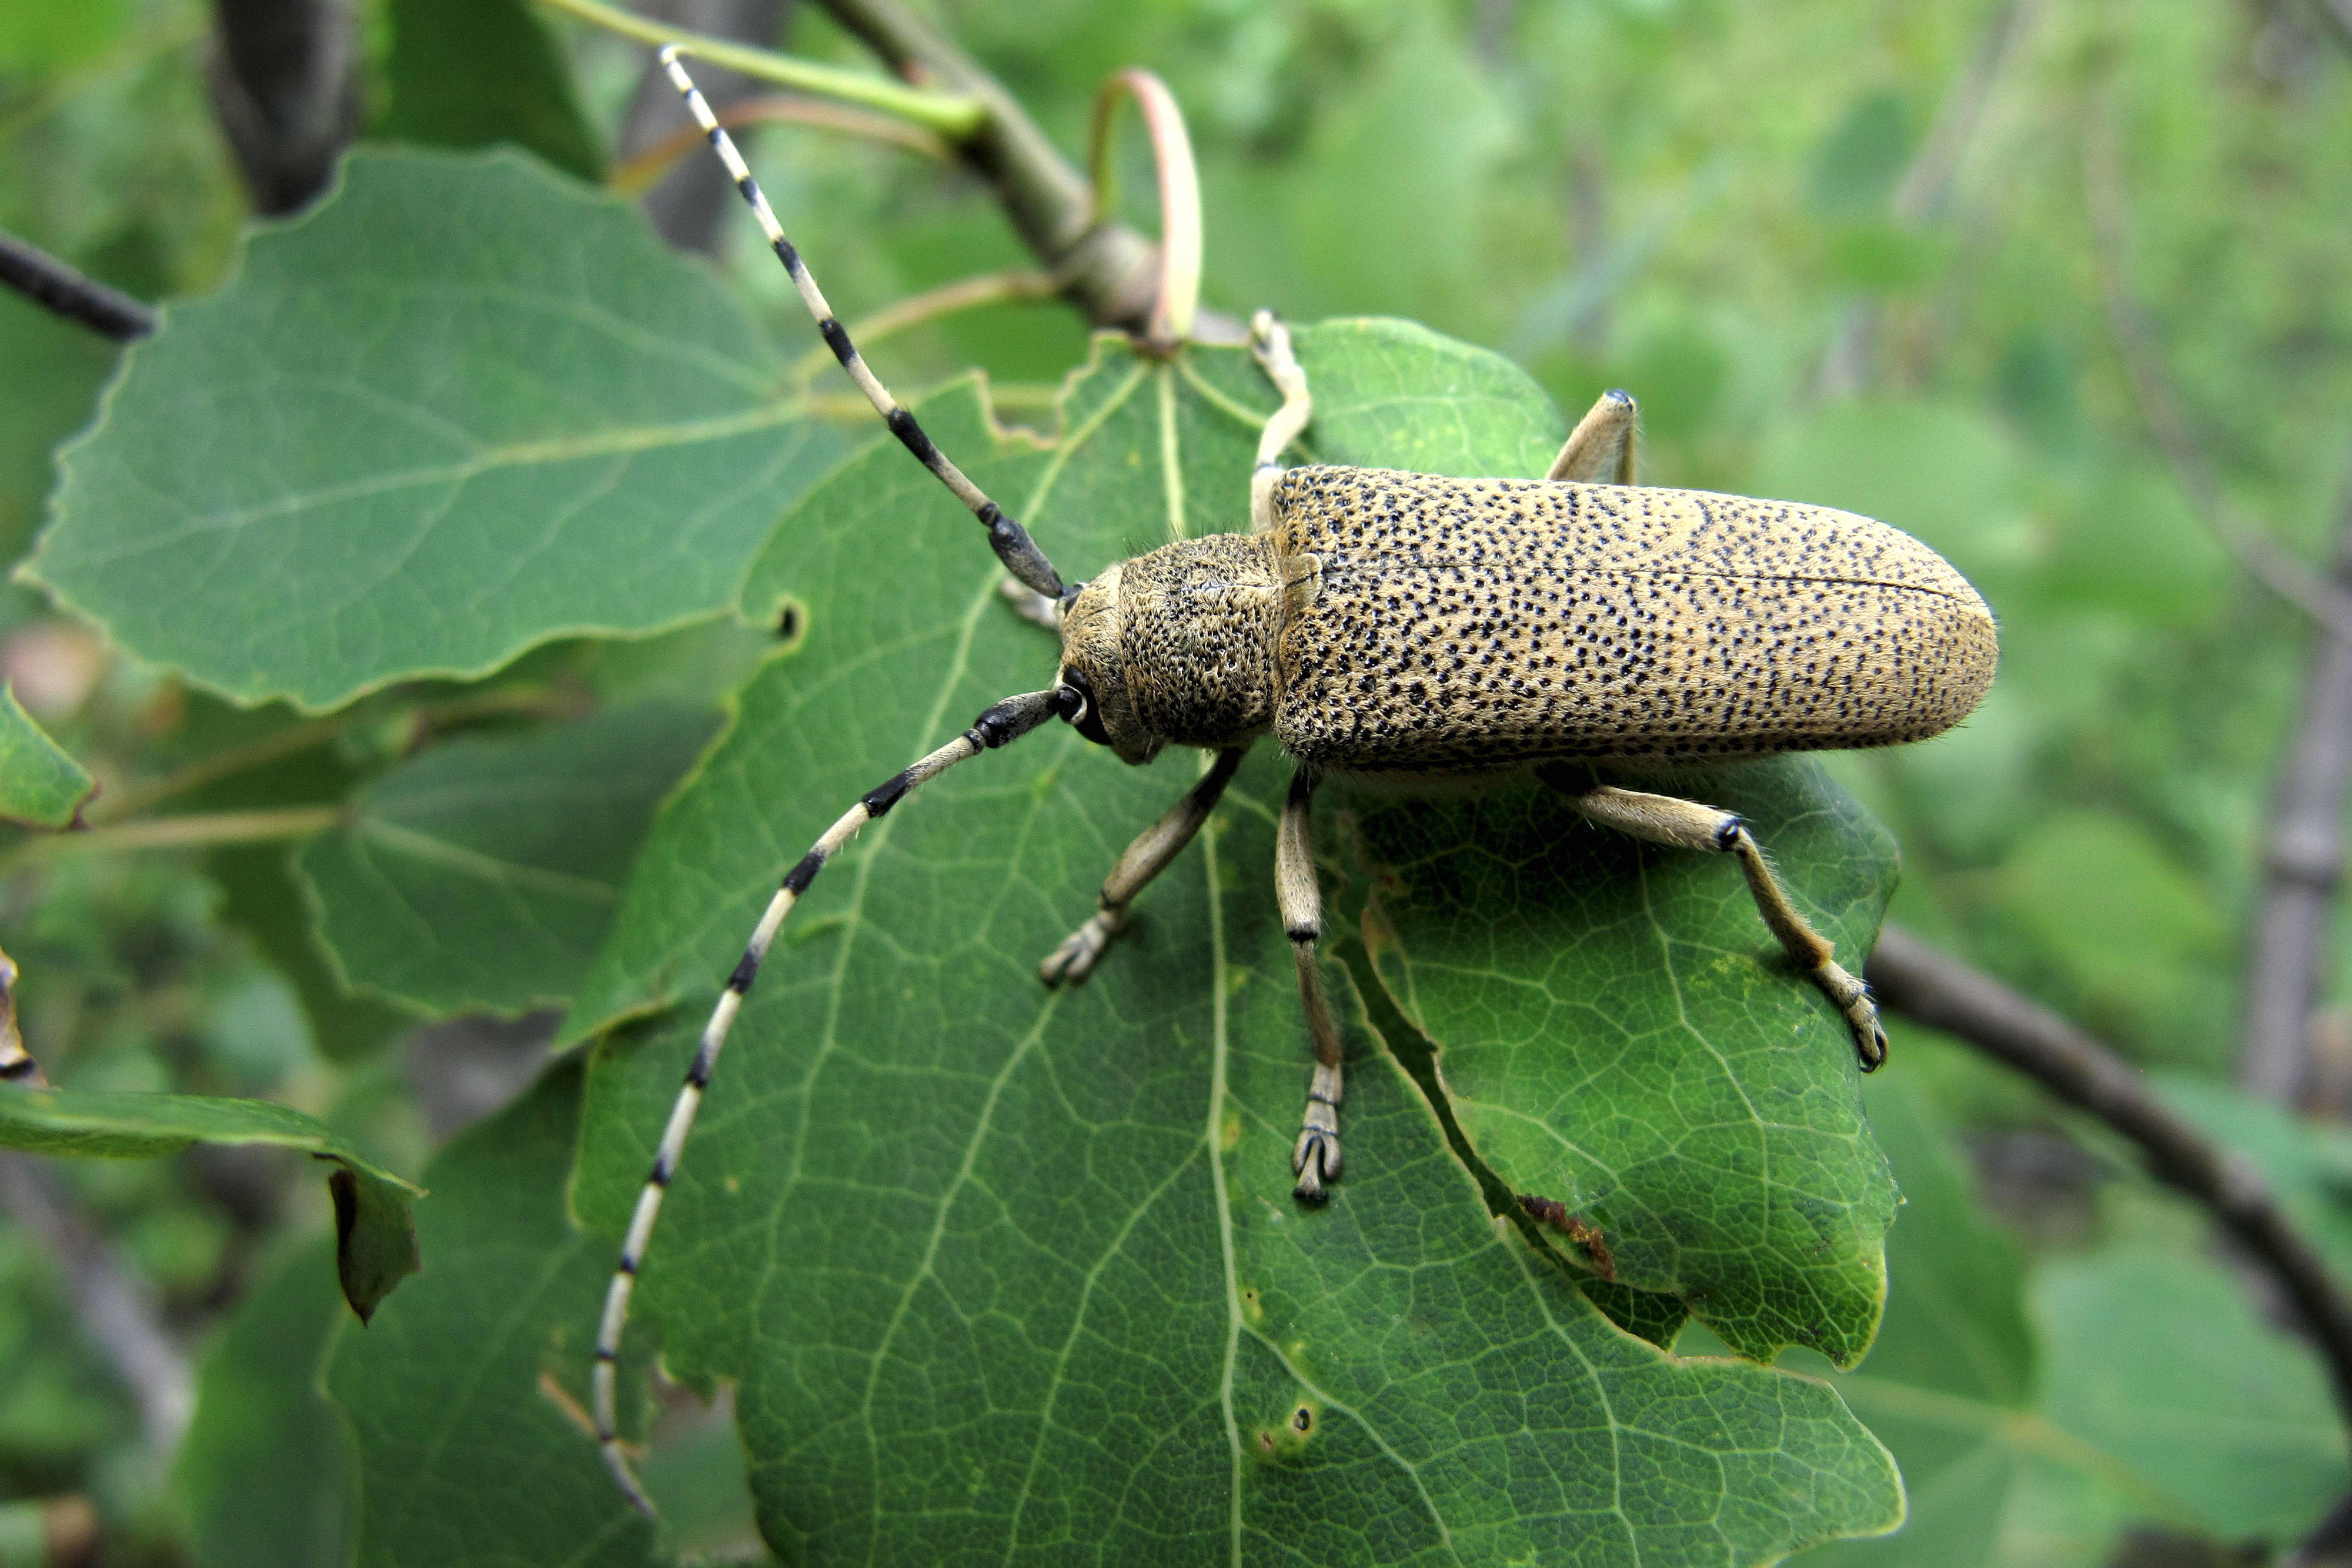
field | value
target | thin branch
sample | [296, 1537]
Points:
[285, 86]
[634, 176]
[951, 114]
[2303, 864]
[2160, 407]
[175, 832]
[52, 285]
[527, 702]
[112, 1307]
[1114, 271]
[1935, 988]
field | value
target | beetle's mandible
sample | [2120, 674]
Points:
[1403, 627]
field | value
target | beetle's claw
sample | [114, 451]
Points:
[1074, 960]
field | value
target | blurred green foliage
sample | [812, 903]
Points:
[1842, 252]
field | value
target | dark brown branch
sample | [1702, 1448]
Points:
[1930, 986]
[1114, 271]
[285, 87]
[52, 285]
[2303, 863]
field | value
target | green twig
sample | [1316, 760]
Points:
[175, 832]
[953, 115]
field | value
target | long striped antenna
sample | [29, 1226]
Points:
[1011, 542]
[1007, 721]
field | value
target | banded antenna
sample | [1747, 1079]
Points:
[1006, 721]
[1011, 542]
[1002, 723]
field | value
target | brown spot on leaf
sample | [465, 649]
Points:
[1550, 1211]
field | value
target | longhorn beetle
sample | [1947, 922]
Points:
[1412, 628]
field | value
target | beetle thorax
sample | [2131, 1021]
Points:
[1178, 645]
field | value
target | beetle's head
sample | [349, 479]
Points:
[1093, 668]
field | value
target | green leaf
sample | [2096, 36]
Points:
[55, 369]
[1005, 1272]
[1617, 1033]
[262, 895]
[462, 1397]
[472, 73]
[461, 407]
[2161, 1360]
[265, 1472]
[376, 1235]
[481, 876]
[40, 784]
[2139, 1388]
[1949, 1385]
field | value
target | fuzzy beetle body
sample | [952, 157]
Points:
[1399, 623]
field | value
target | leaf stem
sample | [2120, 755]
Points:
[529, 701]
[640, 173]
[953, 115]
[964, 294]
[175, 832]
[1178, 297]
[1112, 269]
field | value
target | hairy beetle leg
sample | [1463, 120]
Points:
[1686, 824]
[1270, 341]
[1146, 858]
[1600, 449]
[1317, 1156]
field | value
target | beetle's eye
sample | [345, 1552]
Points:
[1088, 721]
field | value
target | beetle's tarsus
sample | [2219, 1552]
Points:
[1074, 960]
[1317, 1156]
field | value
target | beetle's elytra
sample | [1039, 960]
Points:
[1397, 622]
[1393, 624]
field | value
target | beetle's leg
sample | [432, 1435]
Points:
[1270, 341]
[1145, 859]
[1317, 1157]
[1686, 824]
[1600, 450]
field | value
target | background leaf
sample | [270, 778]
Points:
[480, 1367]
[481, 875]
[459, 408]
[998, 1264]
[475, 73]
[2246, 1440]
[266, 1472]
[376, 1237]
[40, 784]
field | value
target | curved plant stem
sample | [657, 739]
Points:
[1178, 297]
[639, 174]
[964, 294]
[952, 115]
[1113, 272]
